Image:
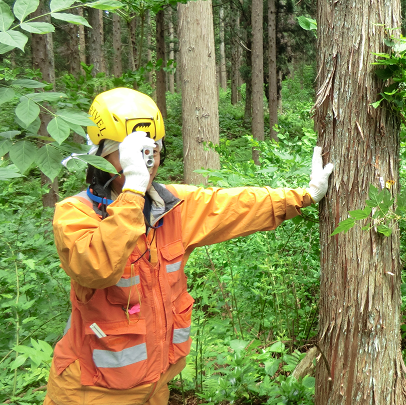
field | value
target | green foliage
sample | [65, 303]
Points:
[379, 210]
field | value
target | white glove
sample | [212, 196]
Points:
[131, 160]
[319, 177]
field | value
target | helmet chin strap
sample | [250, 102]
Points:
[114, 177]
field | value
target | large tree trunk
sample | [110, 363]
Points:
[42, 50]
[257, 75]
[360, 271]
[96, 53]
[199, 92]
[160, 54]
[273, 83]
[171, 49]
[223, 65]
[117, 64]
[82, 39]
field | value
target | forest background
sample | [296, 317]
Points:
[256, 310]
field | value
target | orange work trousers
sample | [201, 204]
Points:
[66, 389]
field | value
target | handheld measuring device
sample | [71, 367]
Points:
[148, 154]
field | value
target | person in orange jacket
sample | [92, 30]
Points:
[124, 243]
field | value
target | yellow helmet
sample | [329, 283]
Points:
[119, 112]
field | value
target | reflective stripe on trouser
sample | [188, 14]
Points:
[128, 282]
[126, 357]
[170, 268]
[181, 335]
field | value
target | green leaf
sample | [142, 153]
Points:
[6, 94]
[306, 23]
[14, 38]
[5, 48]
[76, 117]
[105, 5]
[272, 366]
[71, 18]
[9, 172]
[27, 110]
[309, 382]
[22, 154]
[373, 194]
[6, 16]
[5, 146]
[38, 27]
[278, 347]
[60, 4]
[76, 165]
[400, 47]
[46, 96]
[49, 161]
[377, 103]
[18, 362]
[98, 162]
[238, 345]
[9, 134]
[384, 74]
[58, 129]
[344, 226]
[77, 129]
[385, 230]
[360, 214]
[22, 8]
[28, 83]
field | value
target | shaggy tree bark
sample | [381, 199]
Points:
[96, 42]
[160, 54]
[360, 299]
[273, 83]
[257, 75]
[199, 92]
[42, 50]
[117, 64]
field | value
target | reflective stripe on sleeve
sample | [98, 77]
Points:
[67, 327]
[126, 357]
[181, 335]
[128, 282]
[170, 268]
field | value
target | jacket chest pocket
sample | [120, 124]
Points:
[173, 255]
[120, 357]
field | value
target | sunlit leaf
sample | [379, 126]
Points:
[277, 347]
[344, 226]
[49, 161]
[360, 214]
[23, 154]
[28, 83]
[27, 110]
[6, 94]
[13, 38]
[272, 366]
[6, 16]
[9, 134]
[10, 172]
[384, 230]
[71, 18]
[76, 117]
[77, 129]
[38, 27]
[309, 382]
[46, 96]
[5, 48]
[238, 345]
[22, 8]
[105, 4]
[5, 146]
[58, 129]
[60, 4]
[98, 162]
[306, 23]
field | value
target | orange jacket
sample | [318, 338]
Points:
[133, 285]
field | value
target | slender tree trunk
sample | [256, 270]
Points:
[223, 65]
[82, 39]
[149, 52]
[43, 59]
[235, 56]
[171, 49]
[360, 299]
[117, 65]
[199, 93]
[96, 53]
[160, 54]
[273, 83]
[279, 95]
[257, 75]
[132, 43]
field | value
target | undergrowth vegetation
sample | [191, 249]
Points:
[256, 297]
